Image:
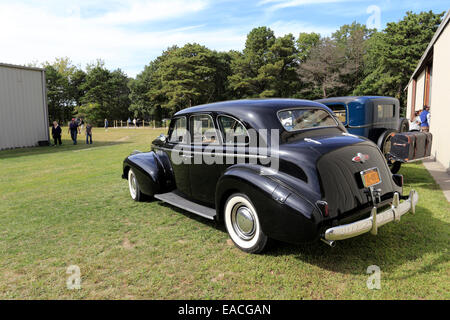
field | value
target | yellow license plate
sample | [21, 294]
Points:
[370, 177]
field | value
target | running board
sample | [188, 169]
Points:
[176, 199]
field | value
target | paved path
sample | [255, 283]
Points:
[439, 175]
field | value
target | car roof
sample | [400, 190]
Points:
[259, 113]
[250, 108]
[353, 98]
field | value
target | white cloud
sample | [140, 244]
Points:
[282, 4]
[38, 33]
[126, 34]
[141, 11]
[282, 28]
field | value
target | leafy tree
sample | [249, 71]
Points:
[188, 76]
[267, 66]
[108, 91]
[246, 80]
[305, 43]
[353, 40]
[92, 112]
[76, 82]
[59, 107]
[323, 70]
[394, 53]
[63, 66]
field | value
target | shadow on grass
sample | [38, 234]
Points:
[66, 146]
[193, 216]
[418, 176]
[395, 245]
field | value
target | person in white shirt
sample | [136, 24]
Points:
[414, 125]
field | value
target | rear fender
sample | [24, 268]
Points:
[284, 215]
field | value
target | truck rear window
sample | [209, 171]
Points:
[301, 119]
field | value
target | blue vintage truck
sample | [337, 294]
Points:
[373, 117]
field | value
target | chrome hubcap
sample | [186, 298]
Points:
[243, 222]
[133, 185]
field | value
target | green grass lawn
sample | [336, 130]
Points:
[68, 205]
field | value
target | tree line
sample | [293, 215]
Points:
[354, 60]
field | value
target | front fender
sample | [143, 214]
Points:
[148, 170]
[284, 214]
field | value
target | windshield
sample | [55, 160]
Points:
[301, 119]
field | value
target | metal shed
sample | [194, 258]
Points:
[23, 107]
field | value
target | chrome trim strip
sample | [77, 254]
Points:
[369, 125]
[416, 160]
[376, 220]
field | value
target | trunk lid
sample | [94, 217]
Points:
[338, 176]
[341, 181]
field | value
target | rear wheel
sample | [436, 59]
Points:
[243, 226]
[133, 185]
[384, 143]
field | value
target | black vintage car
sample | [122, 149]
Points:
[284, 169]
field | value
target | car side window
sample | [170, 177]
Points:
[178, 130]
[385, 111]
[203, 130]
[233, 131]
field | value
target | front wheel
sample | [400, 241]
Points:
[133, 185]
[243, 226]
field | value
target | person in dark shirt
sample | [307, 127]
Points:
[56, 133]
[88, 133]
[74, 130]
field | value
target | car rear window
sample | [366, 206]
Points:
[301, 119]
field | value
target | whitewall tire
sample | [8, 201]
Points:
[243, 225]
[133, 185]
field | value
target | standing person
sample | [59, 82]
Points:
[74, 130]
[82, 123]
[425, 119]
[88, 133]
[414, 125]
[134, 122]
[56, 133]
[106, 124]
[128, 122]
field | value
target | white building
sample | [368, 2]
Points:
[23, 107]
[430, 85]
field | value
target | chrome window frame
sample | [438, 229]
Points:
[222, 133]
[169, 135]
[218, 133]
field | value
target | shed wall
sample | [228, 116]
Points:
[23, 107]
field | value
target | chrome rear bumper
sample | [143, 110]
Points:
[376, 220]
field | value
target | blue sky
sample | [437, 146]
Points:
[128, 34]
